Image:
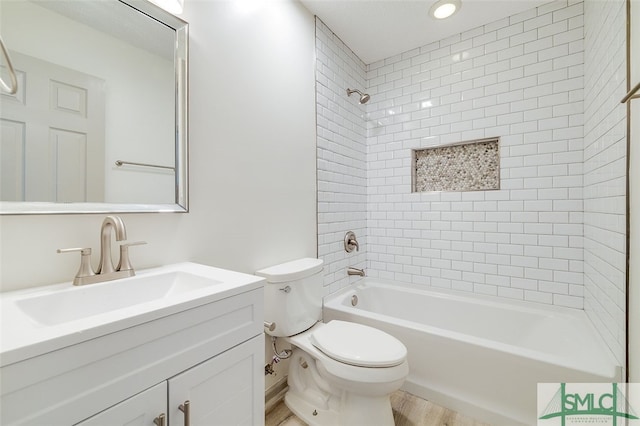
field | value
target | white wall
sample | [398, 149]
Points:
[252, 158]
[342, 169]
[519, 78]
[552, 234]
[605, 150]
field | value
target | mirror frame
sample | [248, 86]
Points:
[181, 205]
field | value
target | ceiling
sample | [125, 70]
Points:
[379, 29]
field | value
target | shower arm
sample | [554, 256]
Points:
[13, 88]
[364, 97]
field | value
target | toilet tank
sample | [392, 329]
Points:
[293, 296]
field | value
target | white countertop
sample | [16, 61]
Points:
[22, 336]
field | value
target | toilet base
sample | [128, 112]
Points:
[354, 411]
[309, 413]
[319, 403]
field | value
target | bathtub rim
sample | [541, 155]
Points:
[339, 301]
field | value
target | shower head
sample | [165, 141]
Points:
[364, 98]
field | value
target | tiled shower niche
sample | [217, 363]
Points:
[467, 166]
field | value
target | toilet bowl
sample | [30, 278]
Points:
[340, 373]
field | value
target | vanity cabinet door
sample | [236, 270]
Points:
[225, 390]
[139, 410]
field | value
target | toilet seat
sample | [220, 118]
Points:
[358, 345]
[349, 375]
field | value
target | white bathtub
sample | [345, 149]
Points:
[477, 355]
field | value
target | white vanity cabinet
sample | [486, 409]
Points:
[210, 355]
[220, 391]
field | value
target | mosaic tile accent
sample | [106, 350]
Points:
[470, 166]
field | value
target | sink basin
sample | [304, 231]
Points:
[44, 319]
[95, 299]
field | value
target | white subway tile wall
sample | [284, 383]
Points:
[554, 232]
[605, 153]
[341, 140]
[521, 79]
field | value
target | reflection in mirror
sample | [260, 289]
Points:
[98, 123]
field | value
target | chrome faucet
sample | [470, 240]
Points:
[110, 222]
[105, 271]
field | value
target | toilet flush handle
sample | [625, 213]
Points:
[286, 289]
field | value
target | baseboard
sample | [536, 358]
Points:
[275, 394]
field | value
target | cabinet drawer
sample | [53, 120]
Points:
[139, 410]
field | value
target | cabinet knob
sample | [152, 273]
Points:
[161, 420]
[185, 409]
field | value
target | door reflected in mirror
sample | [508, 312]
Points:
[100, 83]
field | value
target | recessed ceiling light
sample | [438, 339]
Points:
[444, 8]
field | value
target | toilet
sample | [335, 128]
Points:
[340, 373]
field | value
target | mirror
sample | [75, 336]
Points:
[99, 122]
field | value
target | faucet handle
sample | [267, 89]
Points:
[350, 242]
[125, 263]
[85, 269]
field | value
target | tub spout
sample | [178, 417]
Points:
[355, 271]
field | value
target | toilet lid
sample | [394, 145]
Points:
[358, 344]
